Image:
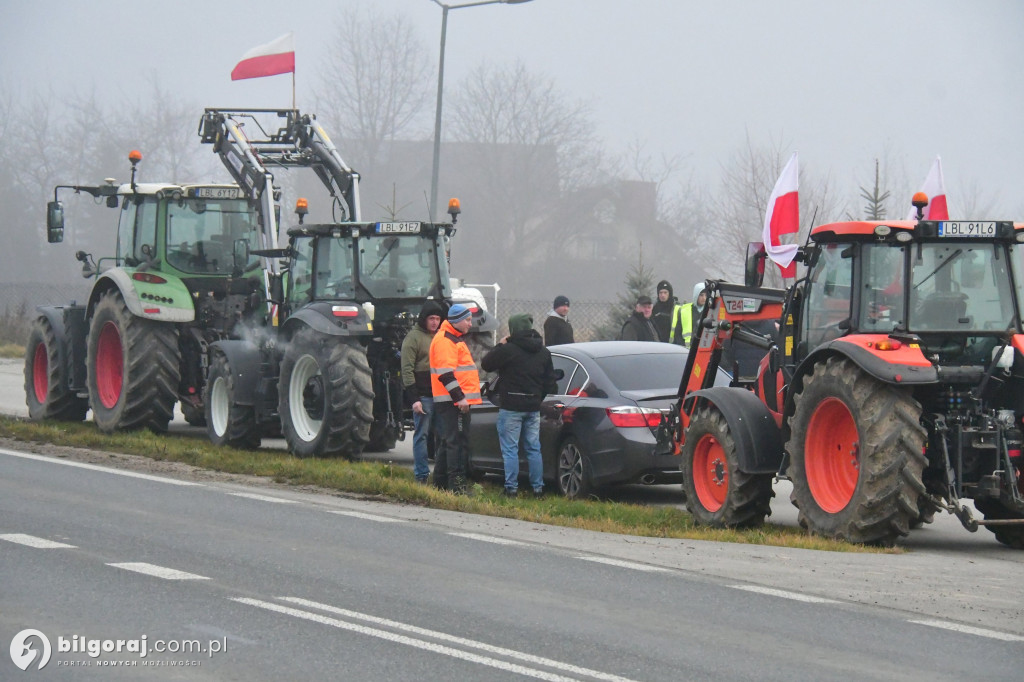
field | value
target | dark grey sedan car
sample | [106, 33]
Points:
[599, 429]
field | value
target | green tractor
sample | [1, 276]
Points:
[182, 277]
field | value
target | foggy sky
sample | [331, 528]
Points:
[842, 82]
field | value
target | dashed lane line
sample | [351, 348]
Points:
[624, 564]
[158, 571]
[367, 517]
[795, 596]
[33, 541]
[488, 538]
[967, 629]
[264, 498]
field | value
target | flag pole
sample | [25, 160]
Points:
[293, 89]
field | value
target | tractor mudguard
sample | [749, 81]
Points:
[166, 302]
[758, 441]
[244, 360]
[904, 366]
[318, 317]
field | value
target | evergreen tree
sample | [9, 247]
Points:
[876, 198]
[639, 282]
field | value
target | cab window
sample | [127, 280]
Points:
[828, 297]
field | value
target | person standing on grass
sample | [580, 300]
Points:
[455, 385]
[525, 376]
[416, 380]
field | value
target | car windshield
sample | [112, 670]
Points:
[960, 286]
[644, 371]
[392, 266]
[201, 234]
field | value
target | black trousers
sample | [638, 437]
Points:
[452, 457]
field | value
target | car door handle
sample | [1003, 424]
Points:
[559, 406]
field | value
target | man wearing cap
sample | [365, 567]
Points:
[419, 395]
[455, 385]
[639, 326]
[556, 326]
[526, 375]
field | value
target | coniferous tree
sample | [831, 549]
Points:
[639, 282]
[876, 198]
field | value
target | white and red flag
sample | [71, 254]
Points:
[783, 217]
[935, 188]
[277, 56]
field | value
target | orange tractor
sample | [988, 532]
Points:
[886, 384]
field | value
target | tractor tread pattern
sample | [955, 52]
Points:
[61, 403]
[242, 430]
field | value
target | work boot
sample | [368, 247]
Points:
[538, 494]
[511, 492]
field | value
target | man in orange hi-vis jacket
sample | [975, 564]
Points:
[455, 384]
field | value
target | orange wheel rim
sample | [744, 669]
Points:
[832, 455]
[109, 365]
[710, 473]
[40, 373]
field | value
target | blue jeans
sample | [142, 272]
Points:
[512, 426]
[423, 431]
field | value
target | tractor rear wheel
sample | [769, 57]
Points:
[133, 371]
[326, 396]
[227, 422]
[717, 493]
[856, 455]
[1010, 535]
[46, 380]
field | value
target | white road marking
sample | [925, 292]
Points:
[795, 596]
[158, 571]
[487, 538]
[263, 498]
[623, 564]
[409, 641]
[94, 467]
[968, 630]
[33, 541]
[368, 517]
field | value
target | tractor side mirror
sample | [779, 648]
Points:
[239, 257]
[753, 271]
[276, 288]
[54, 222]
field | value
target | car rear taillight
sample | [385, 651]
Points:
[634, 417]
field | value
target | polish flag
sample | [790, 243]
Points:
[277, 56]
[935, 188]
[783, 217]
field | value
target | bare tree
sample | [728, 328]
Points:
[375, 83]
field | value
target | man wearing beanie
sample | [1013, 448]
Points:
[525, 376]
[667, 315]
[556, 325]
[638, 326]
[416, 380]
[455, 385]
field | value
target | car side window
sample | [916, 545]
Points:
[578, 382]
[568, 367]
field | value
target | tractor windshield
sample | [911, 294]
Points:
[406, 266]
[201, 234]
[959, 287]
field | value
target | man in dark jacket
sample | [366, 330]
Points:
[416, 380]
[667, 315]
[525, 376]
[556, 325]
[639, 326]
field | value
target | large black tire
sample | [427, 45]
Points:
[227, 422]
[1011, 536]
[856, 455]
[195, 416]
[46, 379]
[572, 473]
[133, 371]
[382, 438]
[326, 396]
[717, 493]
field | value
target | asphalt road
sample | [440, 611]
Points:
[279, 584]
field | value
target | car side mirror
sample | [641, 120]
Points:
[54, 222]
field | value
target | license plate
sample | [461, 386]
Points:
[219, 193]
[398, 228]
[967, 229]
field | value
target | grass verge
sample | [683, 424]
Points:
[385, 481]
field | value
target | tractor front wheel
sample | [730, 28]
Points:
[326, 396]
[46, 379]
[717, 493]
[227, 422]
[856, 455]
[133, 371]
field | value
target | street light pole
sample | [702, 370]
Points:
[440, 91]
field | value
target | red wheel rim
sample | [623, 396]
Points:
[832, 455]
[109, 365]
[41, 373]
[710, 473]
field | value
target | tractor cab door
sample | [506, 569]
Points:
[827, 299]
